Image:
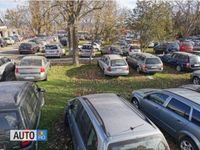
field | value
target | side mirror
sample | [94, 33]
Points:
[41, 90]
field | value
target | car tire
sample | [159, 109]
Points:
[187, 143]
[196, 80]
[135, 102]
[138, 69]
[178, 68]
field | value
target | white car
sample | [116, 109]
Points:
[132, 48]
[113, 65]
[86, 50]
[9, 40]
[54, 50]
[96, 46]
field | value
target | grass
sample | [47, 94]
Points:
[66, 82]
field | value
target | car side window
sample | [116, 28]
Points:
[77, 107]
[196, 117]
[179, 108]
[158, 98]
[87, 131]
[107, 61]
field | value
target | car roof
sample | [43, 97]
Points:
[117, 116]
[9, 93]
[186, 93]
[33, 57]
[114, 56]
[185, 53]
[147, 55]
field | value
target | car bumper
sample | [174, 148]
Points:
[119, 73]
[31, 77]
[52, 55]
[153, 70]
[86, 54]
[26, 52]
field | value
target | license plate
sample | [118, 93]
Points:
[153, 67]
[196, 65]
[29, 78]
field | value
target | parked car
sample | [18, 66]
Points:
[196, 46]
[40, 43]
[182, 61]
[3, 43]
[145, 62]
[132, 48]
[186, 46]
[113, 65]
[9, 40]
[32, 68]
[166, 47]
[175, 110]
[96, 46]
[109, 122]
[20, 109]
[54, 50]
[7, 69]
[63, 41]
[112, 50]
[28, 48]
[86, 50]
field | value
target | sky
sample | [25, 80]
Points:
[9, 4]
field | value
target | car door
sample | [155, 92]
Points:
[131, 59]
[175, 116]
[152, 104]
[74, 118]
[101, 62]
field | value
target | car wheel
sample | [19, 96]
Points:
[135, 102]
[178, 68]
[196, 80]
[187, 144]
[138, 69]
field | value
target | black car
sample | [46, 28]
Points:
[20, 109]
[63, 41]
[7, 69]
[28, 48]
[2, 43]
[182, 61]
[166, 47]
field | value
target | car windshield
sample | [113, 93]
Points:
[31, 62]
[118, 62]
[153, 61]
[195, 59]
[51, 47]
[25, 45]
[145, 143]
[8, 120]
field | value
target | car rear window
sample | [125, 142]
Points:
[86, 47]
[8, 120]
[25, 45]
[153, 61]
[51, 47]
[31, 62]
[194, 59]
[145, 143]
[118, 62]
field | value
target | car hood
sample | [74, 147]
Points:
[197, 72]
[143, 92]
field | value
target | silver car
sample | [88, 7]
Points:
[145, 62]
[86, 50]
[54, 50]
[109, 122]
[32, 68]
[113, 65]
[176, 110]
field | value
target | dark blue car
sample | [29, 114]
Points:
[182, 61]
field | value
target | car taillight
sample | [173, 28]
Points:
[188, 65]
[109, 69]
[16, 70]
[24, 144]
[42, 69]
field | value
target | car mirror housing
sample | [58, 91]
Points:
[41, 90]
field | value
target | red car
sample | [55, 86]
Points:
[186, 47]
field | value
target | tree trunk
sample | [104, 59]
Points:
[69, 39]
[75, 45]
